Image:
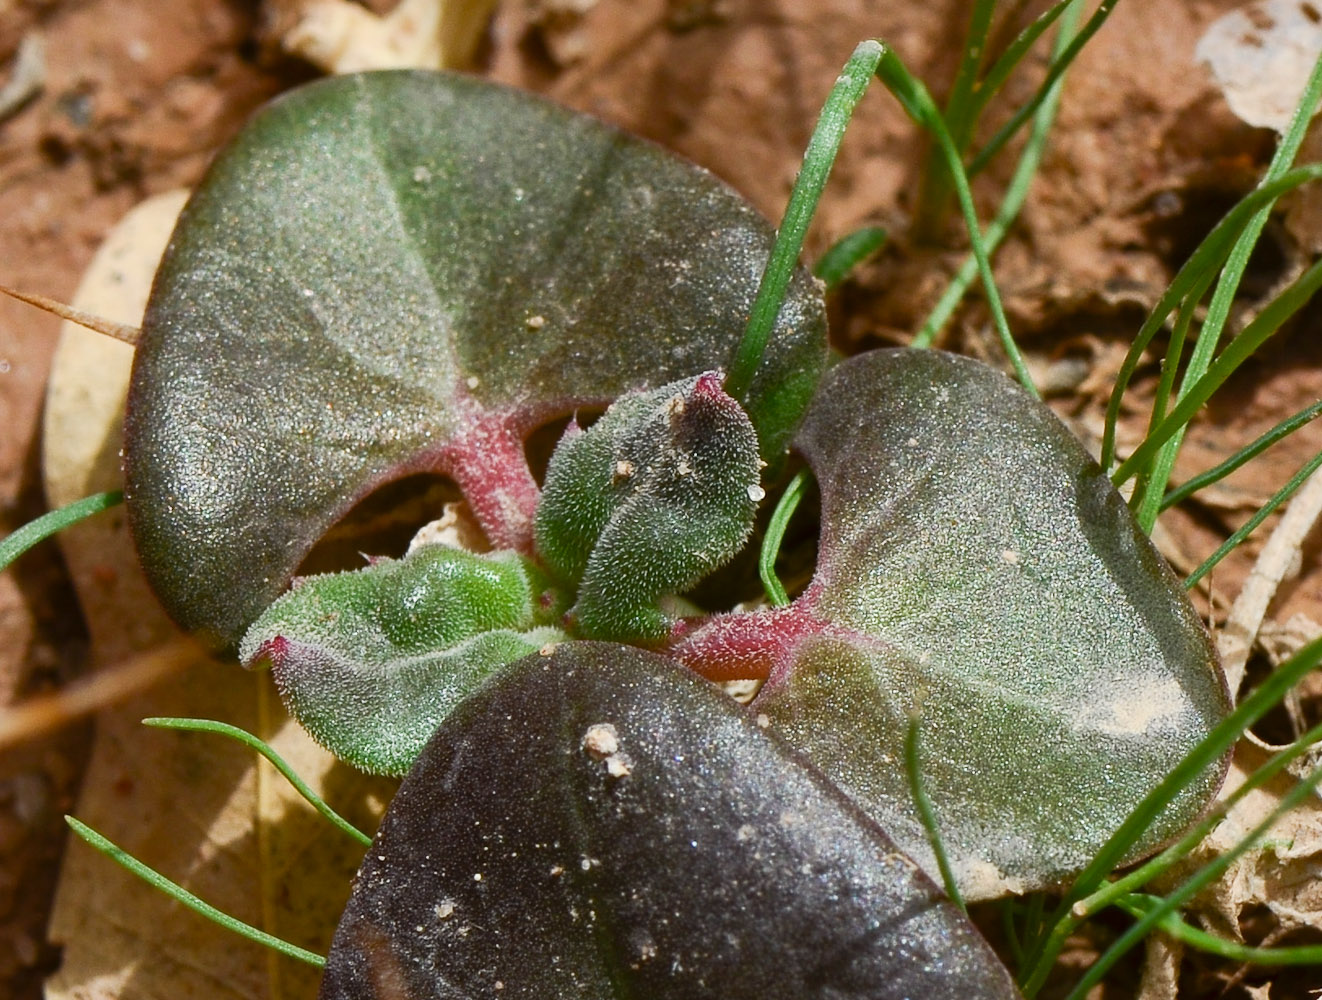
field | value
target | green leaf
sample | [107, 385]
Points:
[650, 499]
[403, 271]
[604, 824]
[977, 568]
[371, 661]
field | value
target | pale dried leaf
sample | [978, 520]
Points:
[1261, 55]
[342, 37]
[197, 807]
[1283, 873]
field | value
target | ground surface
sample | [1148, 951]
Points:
[138, 94]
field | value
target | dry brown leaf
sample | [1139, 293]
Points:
[197, 807]
[1283, 873]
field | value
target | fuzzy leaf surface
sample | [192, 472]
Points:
[403, 271]
[977, 567]
[650, 499]
[371, 661]
[601, 823]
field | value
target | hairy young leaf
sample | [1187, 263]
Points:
[601, 823]
[654, 496]
[977, 568]
[403, 271]
[371, 661]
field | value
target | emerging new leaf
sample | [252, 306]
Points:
[371, 661]
[404, 271]
[601, 823]
[654, 496]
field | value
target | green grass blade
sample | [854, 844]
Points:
[1205, 875]
[1219, 309]
[847, 253]
[1058, 67]
[1153, 868]
[1209, 255]
[1260, 515]
[177, 892]
[1010, 59]
[960, 117]
[1239, 350]
[1208, 751]
[780, 518]
[817, 162]
[1246, 454]
[918, 103]
[1016, 194]
[1142, 905]
[19, 541]
[278, 762]
[926, 814]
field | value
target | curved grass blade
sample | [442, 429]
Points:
[1239, 350]
[1057, 69]
[780, 519]
[1000, 71]
[1133, 881]
[918, 103]
[1016, 193]
[278, 762]
[1218, 310]
[847, 253]
[1141, 904]
[817, 162]
[1202, 878]
[1246, 454]
[20, 540]
[172, 889]
[1209, 255]
[1260, 515]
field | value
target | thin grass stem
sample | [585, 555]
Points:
[21, 539]
[780, 519]
[1054, 72]
[926, 814]
[278, 762]
[1014, 54]
[817, 162]
[1260, 515]
[1264, 325]
[177, 892]
[1155, 867]
[1218, 311]
[1015, 195]
[1205, 875]
[1208, 256]
[1139, 905]
[918, 103]
[1246, 454]
[960, 116]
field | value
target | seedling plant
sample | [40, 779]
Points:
[990, 682]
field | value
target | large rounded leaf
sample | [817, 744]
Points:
[401, 271]
[977, 568]
[601, 823]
